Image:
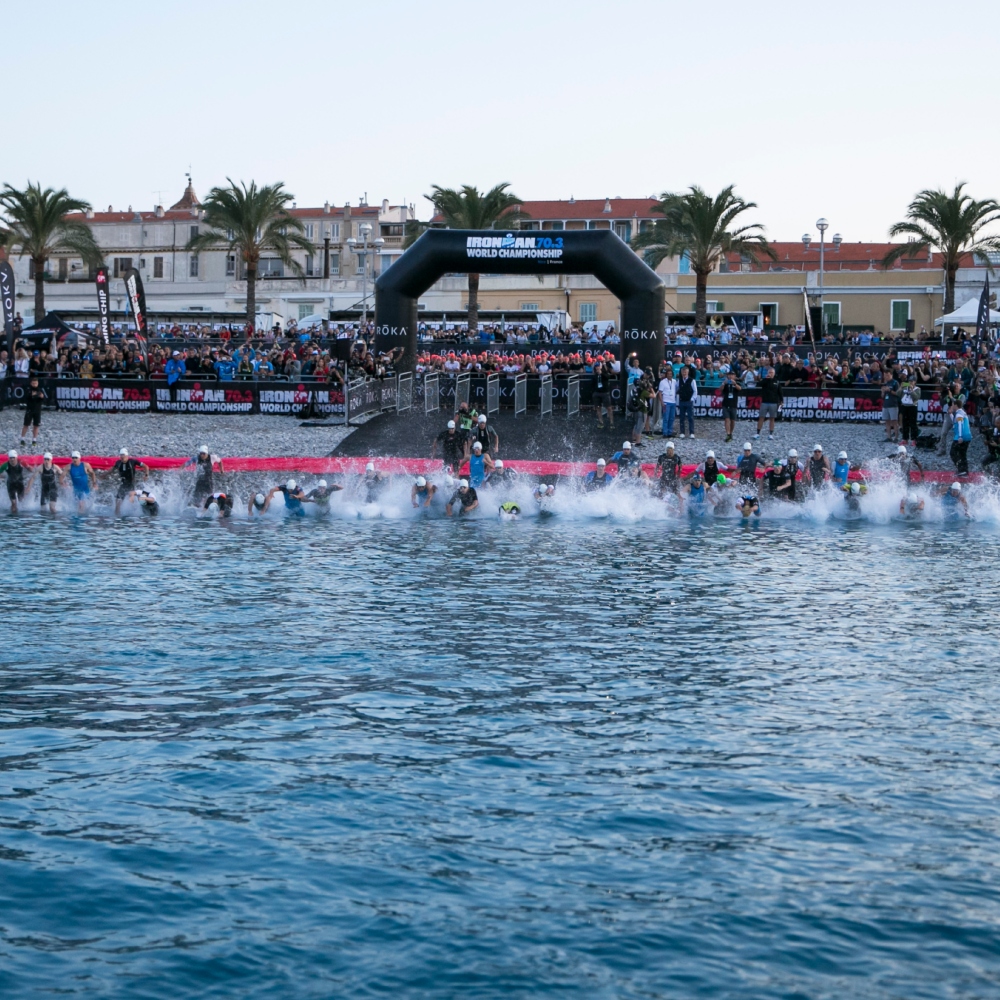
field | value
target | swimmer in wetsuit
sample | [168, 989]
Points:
[205, 463]
[147, 502]
[853, 495]
[422, 492]
[954, 504]
[223, 504]
[126, 468]
[599, 478]
[15, 479]
[911, 505]
[257, 504]
[320, 494]
[509, 511]
[465, 496]
[294, 498]
[50, 475]
[749, 505]
[83, 478]
[372, 484]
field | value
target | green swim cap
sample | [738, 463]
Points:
[720, 479]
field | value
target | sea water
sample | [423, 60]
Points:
[623, 756]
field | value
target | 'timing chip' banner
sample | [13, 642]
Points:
[102, 305]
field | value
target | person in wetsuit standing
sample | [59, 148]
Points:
[15, 479]
[126, 468]
[51, 477]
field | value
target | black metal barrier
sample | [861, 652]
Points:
[798, 404]
[375, 395]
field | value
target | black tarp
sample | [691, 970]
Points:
[40, 335]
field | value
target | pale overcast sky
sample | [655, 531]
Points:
[839, 109]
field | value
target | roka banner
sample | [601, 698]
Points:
[7, 303]
[103, 311]
[137, 300]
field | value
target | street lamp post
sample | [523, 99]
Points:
[822, 225]
[365, 229]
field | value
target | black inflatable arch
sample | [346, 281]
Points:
[493, 251]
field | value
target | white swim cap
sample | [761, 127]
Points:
[912, 498]
[477, 447]
[259, 498]
[75, 454]
[124, 451]
[47, 457]
[709, 454]
[855, 488]
[747, 446]
[451, 425]
[792, 453]
[482, 418]
[626, 446]
[322, 484]
[817, 447]
[956, 487]
[498, 464]
[670, 445]
[213, 507]
[463, 484]
[12, 453]
[203, 450]
[370, 467]
[290, 485]
[143, 497]
[421, 481]
[901, 450]
[601, 461]
[842, 456]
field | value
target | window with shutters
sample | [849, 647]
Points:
[588, 312]
[193, 269]
[194, 232]
[230, 265]
[335, 263]
[900, 313]
[122, 264]
[310, 234]
[157, 267]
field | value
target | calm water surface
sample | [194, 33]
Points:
[437, 759]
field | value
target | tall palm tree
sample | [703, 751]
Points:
[466, 208]
[701, 227]
[37, 227]
[952, 224]
[251, 221]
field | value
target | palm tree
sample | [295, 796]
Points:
[952, 224]
[37, 227]
[697, 225]
[466, 208]
[251, 221]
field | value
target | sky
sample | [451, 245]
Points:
[843, 110]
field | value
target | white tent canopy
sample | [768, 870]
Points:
[967, 314]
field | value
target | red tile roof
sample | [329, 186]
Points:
[850, 257]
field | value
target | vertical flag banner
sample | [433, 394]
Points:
[7, 301]
[983, 319]
[102, 305]
[137, 299]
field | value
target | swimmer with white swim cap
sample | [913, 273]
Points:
[422, 492]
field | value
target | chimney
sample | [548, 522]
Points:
[89, 213]
[110, 209]
[158, 211]
[607, 205]
[385, 204]
[572, 200]
[347, 209]
[326, 208]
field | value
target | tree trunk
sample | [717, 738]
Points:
[473, 304]
[949, 289]
[39, 288]
[252, 294]
[700, 299]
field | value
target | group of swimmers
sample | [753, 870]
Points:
[786, 479]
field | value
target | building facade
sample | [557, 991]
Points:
[187, 287]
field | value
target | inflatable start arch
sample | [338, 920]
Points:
[493, 251]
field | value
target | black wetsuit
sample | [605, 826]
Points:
[225, 503]
[373, 488]
[670, 471]
[50, 485]
[205, 483]
[466, 499]
[817, 471]
[321, 495]
[747, 465]
[754, 506]
[15, 480]
[126, 469]
[452, 447]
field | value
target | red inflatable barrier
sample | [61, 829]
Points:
[408, 466]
